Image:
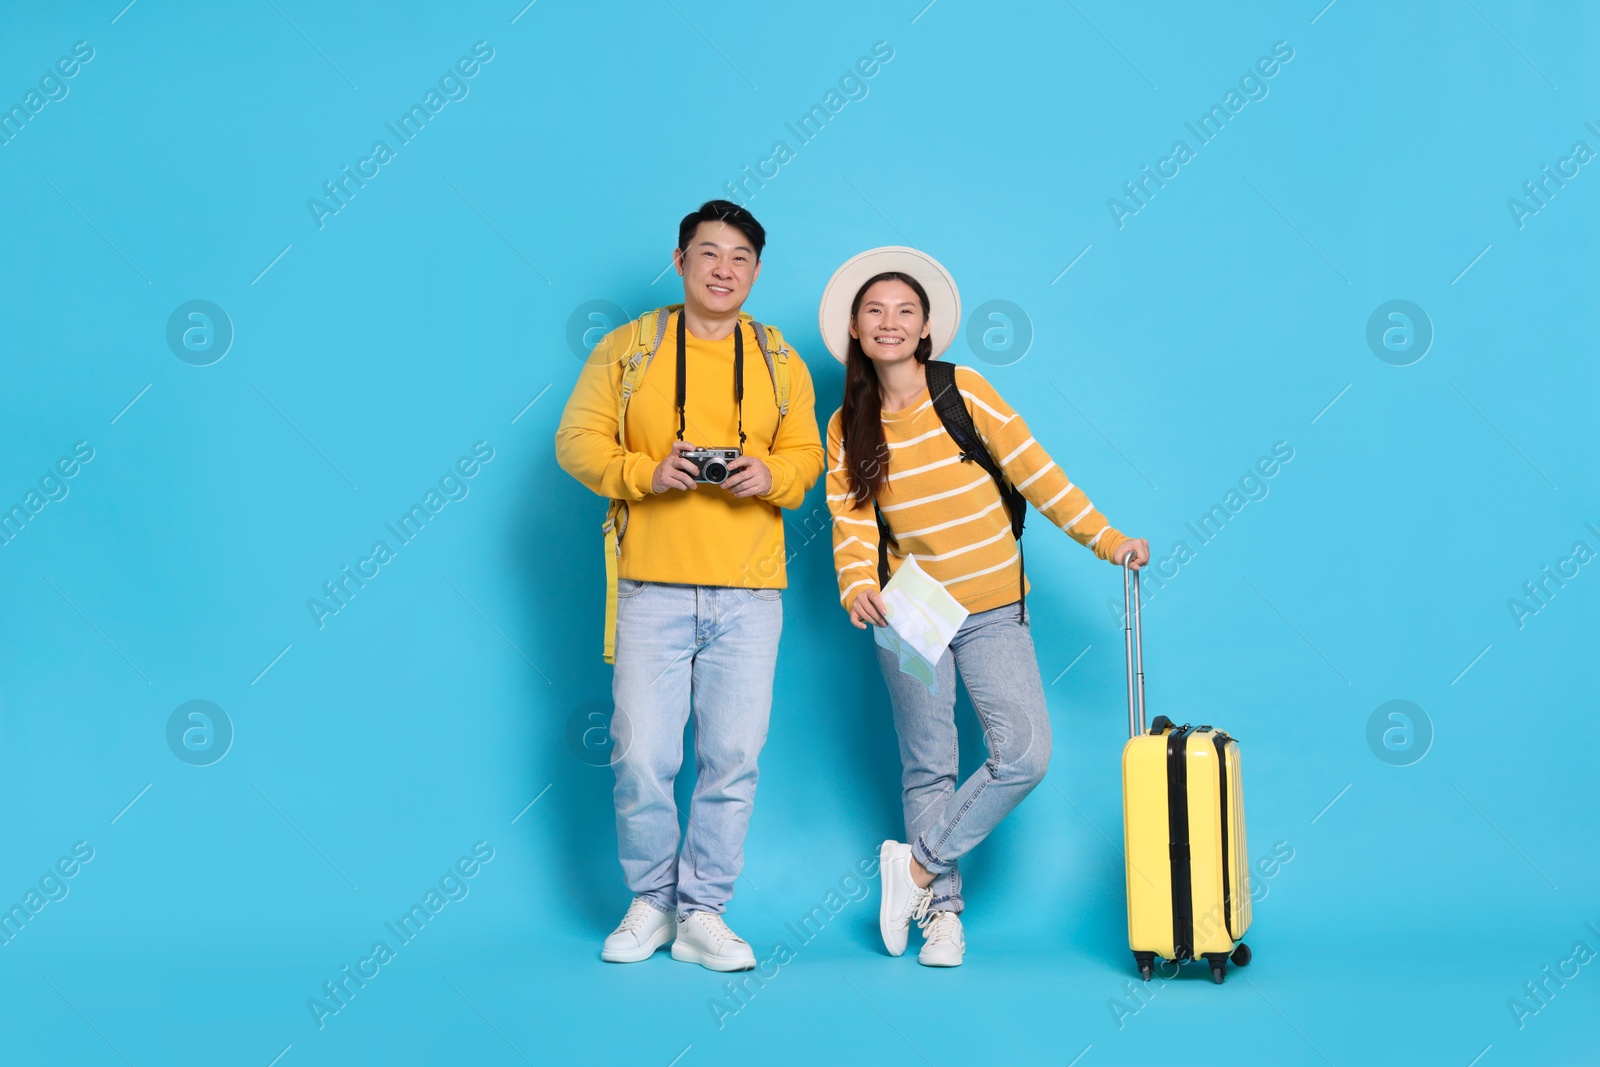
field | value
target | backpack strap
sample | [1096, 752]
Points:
[776, 353]
[611, 529]
[957, 419]
[885, 535]
[648, 331]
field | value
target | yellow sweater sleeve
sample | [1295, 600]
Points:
[855, 526]
[1029, 467]
[587, 445]
[796, 458]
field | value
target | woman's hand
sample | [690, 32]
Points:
[868, 607]
[1137, 547]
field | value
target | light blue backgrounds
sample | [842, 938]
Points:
[426, 315]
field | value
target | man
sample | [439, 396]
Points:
[699, 572]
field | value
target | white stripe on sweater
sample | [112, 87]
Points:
[917, 439]
[1015, 452]
[953, 522]
[1078, 517]
[926, 467]
[986, 570]
[1040, 473]
[1048, 503]
[982, 479]
[840, 469]
[864, 581]
[964, 548]
[1002, 419]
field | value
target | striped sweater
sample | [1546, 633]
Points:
[948, 513]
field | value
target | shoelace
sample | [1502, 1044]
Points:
[638, 912]
[716, 927]
[938, 926]
[919, 908]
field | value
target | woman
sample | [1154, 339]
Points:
[888, 451]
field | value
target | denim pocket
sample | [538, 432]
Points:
[766, 594]
[627, 587]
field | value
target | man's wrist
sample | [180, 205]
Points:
[777, 480]
[647, 471]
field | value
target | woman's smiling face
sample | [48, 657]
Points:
[890, 322]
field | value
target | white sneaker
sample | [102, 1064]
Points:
[902, 901]
[705, 939]
[643, 930]
[943, 943]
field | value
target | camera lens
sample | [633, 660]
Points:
[715, 471]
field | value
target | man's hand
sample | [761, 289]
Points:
[1137, 547]
[868, 607]
[674, 472]
[748, 476]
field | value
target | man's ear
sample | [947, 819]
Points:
[757, 273]
[677, 260]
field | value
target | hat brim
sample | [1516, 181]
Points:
[944, 299]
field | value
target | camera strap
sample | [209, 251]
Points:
[738, 373]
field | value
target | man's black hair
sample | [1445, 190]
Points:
[723, 211]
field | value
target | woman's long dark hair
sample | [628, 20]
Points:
[866, 454]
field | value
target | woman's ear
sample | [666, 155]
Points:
[927, 326]
[853, 333]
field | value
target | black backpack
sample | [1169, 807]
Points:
[957, 420]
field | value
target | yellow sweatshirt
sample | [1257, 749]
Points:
[948, 513]
[703, 536]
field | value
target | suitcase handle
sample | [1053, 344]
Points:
[1133, 640]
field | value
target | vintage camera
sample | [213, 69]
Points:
[711, 464]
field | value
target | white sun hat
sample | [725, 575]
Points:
[944, 300]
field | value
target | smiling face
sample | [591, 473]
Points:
[718, 267]
[890, 322]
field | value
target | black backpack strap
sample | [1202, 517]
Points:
[957, 419]
[884, 537]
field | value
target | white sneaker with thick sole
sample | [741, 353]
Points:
[902, 900]
[643, 930]
[705, 939]
[943, 942]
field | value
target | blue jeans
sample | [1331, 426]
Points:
[994, 651]
[713, 649]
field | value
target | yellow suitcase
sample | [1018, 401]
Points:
[1188, 873]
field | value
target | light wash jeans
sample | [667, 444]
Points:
[994, 651]
[713, 649]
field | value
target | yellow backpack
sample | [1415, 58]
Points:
[648, 331]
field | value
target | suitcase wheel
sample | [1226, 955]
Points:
[1241, 955]
[1147, 964]
[1218, 968]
